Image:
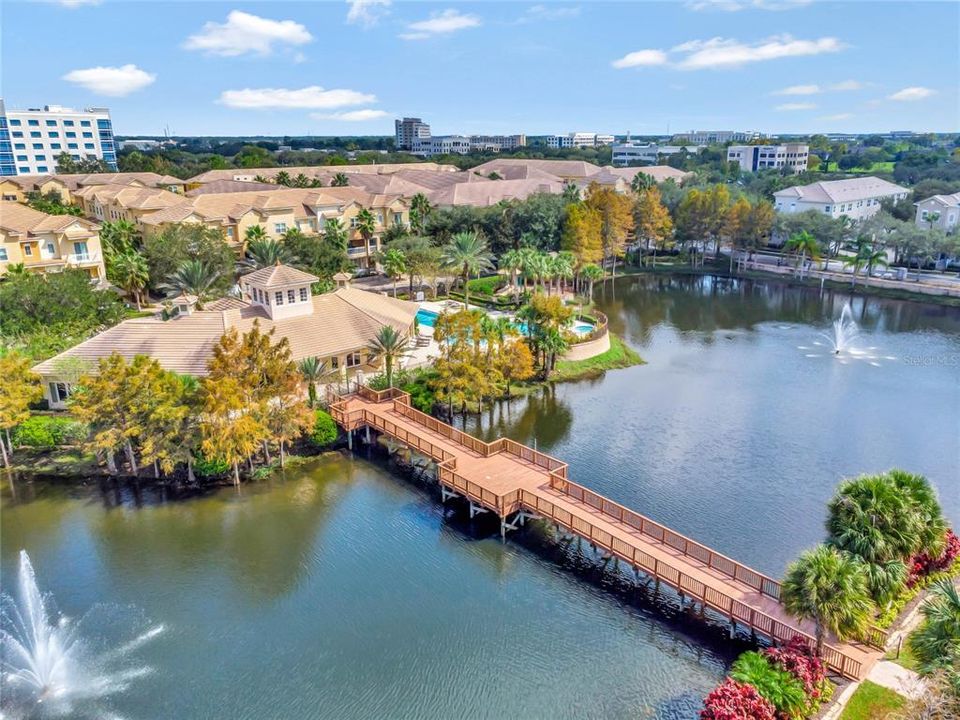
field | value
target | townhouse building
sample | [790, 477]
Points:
[48, 243]
[939, 211]
[856, 198]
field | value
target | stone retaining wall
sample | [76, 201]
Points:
[589, 349]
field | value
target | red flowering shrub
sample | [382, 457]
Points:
[736, 701]
[924, 564]
[798, 659]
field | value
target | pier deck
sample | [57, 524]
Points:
[507, 478]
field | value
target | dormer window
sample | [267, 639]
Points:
[291, 296]
[278, 298]
[304, 294]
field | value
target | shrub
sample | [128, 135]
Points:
[736, 701]
[779, 687]
[325, 431]
[924, 563]
[798, 658]
[210, 467]
[486, 285]
[45, 431]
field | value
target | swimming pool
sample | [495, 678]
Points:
[426, 318]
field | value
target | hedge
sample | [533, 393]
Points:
[325, 431]
[46, 431]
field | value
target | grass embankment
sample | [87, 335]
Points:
[620, 355]
[906, 658]
[872, 702]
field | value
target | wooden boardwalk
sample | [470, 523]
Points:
[517, 482]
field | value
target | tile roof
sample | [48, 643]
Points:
[842, 191]
[948, 200]
[341, 321]
[317, 170]
[560, 168]
[484, 194]
[18, 218]
[658, 172]
[278, 275]
[74, 181]
[229, 186]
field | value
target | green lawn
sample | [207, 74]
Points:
[906, 658]
[872, 702]
[877, 167]
[618, 356]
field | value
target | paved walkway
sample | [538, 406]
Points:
[897, 678]
[506, 477]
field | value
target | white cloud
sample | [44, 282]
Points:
[846, 85]
[112, 81]
[366, 12]
[310, 98]
[799, 90]
[795, 106]
[245, 33]
[912, 93]
[838, 116]
[352, 115]
[719, 52]
[542, 13]
[443, 23]
[641, 58]
[738, 5]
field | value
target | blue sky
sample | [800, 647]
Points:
[338, 68]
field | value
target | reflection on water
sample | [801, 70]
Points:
[341, 591]
[730, 433]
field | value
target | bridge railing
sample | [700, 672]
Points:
[469, 489]
[410, 439]
[756, 619]
[661, 533]
[438, 426]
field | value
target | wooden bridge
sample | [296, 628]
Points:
[518, 483]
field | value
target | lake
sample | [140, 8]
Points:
[343, 590]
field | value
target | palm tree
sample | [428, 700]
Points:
[803, 244]
[468, 253]
[553, 343]
[830, 588]
[420, 210]
[118, 237]
[255, 232]
[512, 261]
[389, 345]
[394, 265]
[313, 370]
[131, 273]
[335, 233]
[193, 277]
[266, 252]
[16, 270]
[340, 180]
[282, 178]
[642, 182]
[366, 226]
[936, 643]
[564, 263]
[301, 181]
[923, 498]
[591, 273]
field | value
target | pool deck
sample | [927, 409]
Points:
[517, 483]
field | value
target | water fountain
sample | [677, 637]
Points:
[845, 331]
[51, 666]
[841, 341]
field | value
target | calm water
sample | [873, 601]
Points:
[341, 591]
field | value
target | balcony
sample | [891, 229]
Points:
[357, 251]
[83, 258]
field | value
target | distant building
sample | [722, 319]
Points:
[32, 139]
[579, 140]
[717, 137]
[409, 131]
[857, 198]
[442, 145]
[940, 211]
[496, 143]
[751, 158]
[48, 243]
[627, 153]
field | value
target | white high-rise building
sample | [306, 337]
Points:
[32, 139]
[717, 137]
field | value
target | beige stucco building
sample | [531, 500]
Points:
[48, 243]
[336, 327]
